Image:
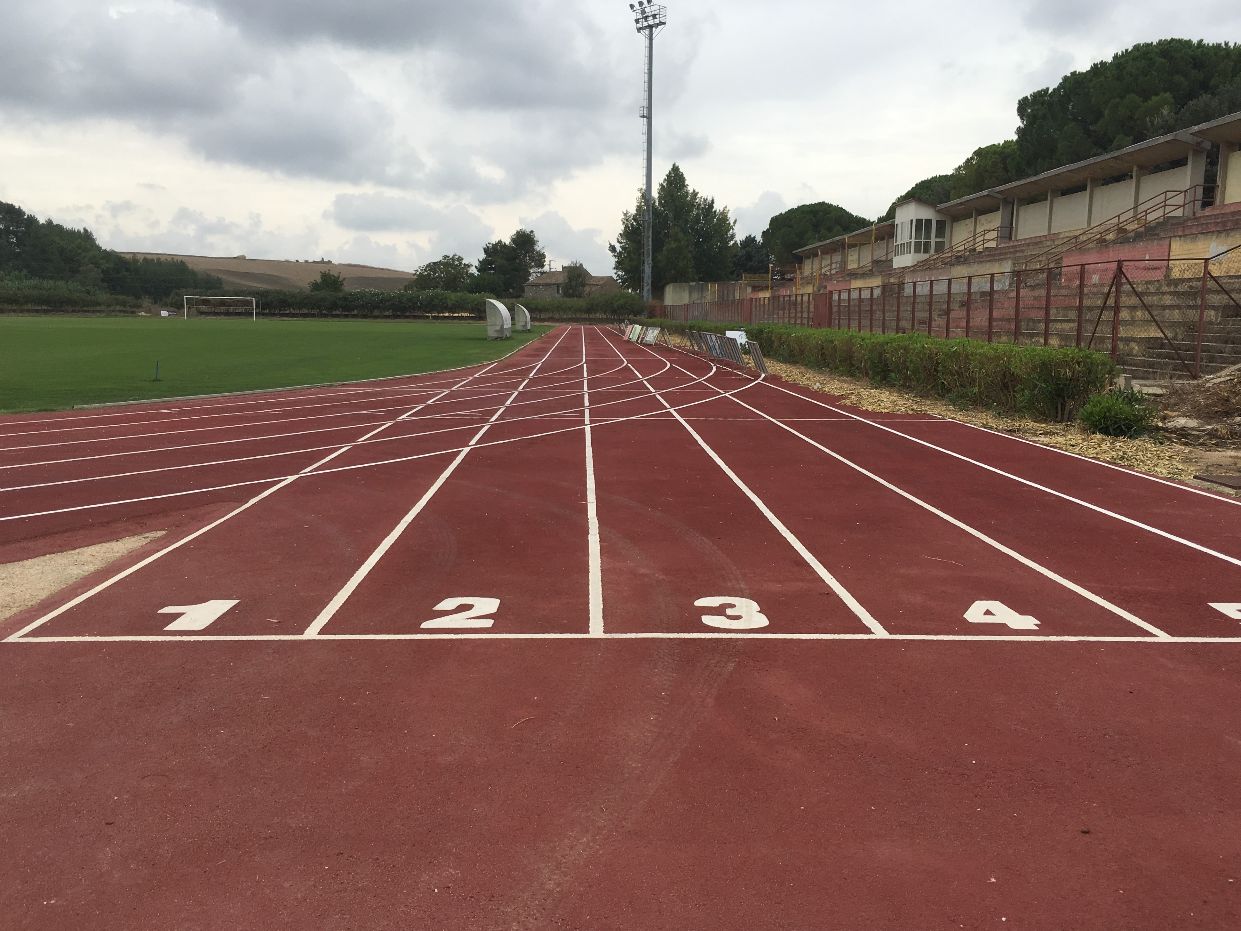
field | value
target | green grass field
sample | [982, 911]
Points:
[47, 363]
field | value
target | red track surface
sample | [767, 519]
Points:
[595, 750]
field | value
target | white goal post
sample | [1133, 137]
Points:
[200, 300]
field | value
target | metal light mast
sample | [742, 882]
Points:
[650, 19]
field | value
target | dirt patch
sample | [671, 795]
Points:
[26, 583]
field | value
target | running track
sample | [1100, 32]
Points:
[728, 654]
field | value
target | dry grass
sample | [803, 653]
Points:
[1155, 456]
[277, 273]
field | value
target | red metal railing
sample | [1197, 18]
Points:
[1155, 311]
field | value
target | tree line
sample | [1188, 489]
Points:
[1151, 89]
[42, 250]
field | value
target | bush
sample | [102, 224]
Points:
[1037, 381]
[1118, 413]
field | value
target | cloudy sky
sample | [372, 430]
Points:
[391, 132]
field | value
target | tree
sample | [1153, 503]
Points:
[576, 278]
[691, 238]
[506, 266]
[329, 282]
[448, 273]
[752, 258]
[810, 223]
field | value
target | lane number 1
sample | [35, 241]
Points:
[739, 613]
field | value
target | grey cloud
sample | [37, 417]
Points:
[1065, 17]
[563, 243]
[454, 229]
[61, 60]
[753, 220]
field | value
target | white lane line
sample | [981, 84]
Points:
[1107, 465]
[263, 407]
[174, 405]
[820, 570]
[261, 438]
[753, 637]
[369, 465]
[334, 605]
[573, 413]
[961, 525]
[594, 554]
[159, 554]
[1024, 481]
[352, 412]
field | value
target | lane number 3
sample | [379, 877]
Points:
[739, 613]
[996, 612]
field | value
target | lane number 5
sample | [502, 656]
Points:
[739, 613]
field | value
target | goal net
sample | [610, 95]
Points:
[229, 306]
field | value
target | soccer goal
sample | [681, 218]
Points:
[197, 300]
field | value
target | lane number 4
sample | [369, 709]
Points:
[1229, 610]
[996, 612]
[474, 617]
[739, 613]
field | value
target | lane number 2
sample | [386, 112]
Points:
[197, 617]
[739, 613]
[474, 617]
[1229, 610]
[996, 612]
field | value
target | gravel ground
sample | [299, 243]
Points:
[26, 583]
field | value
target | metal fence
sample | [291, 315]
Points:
[1175, 317]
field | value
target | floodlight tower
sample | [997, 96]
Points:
[650, 20]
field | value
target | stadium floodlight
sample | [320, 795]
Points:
[649, 19]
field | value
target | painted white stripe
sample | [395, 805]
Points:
[1107, 465]
[109, 582]
[961, 525]
[662, 635]
[264, 406]
[594, 550]
[364, 465]
[352, 412]
[475, 411]
[1025, 481]
[338, 600]
[819, 569]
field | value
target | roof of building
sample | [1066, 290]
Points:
[881, 231]
[558, 277]
[1144, 154]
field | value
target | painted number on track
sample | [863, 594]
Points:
[739, 613]
[474, 617]
[197, 617]
[1229, 610]
[996, 612]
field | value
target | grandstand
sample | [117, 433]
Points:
[1136, 252]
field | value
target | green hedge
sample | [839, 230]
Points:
[20, 293]
[387, 304]
[1037, 381]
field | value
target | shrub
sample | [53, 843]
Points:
[1118, 413]
[1051, 384]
